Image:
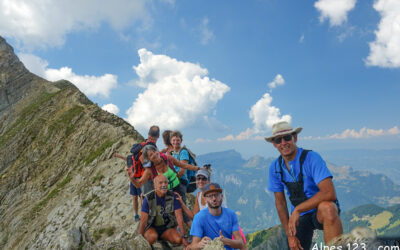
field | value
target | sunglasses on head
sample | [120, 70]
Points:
[286, 138]
[201, 178]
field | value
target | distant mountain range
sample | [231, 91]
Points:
[245, 183]
[376, 161]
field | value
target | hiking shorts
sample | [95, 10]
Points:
[307, 224]
[134, 190]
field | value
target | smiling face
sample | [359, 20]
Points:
[161, 185]
[176, 142]
[154, 156]
[201, 181]
[288, 149]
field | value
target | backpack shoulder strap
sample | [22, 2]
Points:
[302, 159]
[280, 168]
[191, 154]
[169, 163]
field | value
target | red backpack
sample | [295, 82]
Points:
[133, 159]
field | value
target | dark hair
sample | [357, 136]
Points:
[177, 134]
[154, 131]
[166, 137]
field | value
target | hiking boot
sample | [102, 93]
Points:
[137, 218]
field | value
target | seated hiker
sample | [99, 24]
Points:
[160, 163]
[215, 221]
[203, 177]
[309, 185]
[134, 191]
[161, 214]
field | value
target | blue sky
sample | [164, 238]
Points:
[223, 72]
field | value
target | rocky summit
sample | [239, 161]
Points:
[60, 187]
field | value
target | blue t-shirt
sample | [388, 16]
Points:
[206, 224]
[182, 156]
[161, 217]
[314, 171]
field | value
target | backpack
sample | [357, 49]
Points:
[133, 159]
[190, 174]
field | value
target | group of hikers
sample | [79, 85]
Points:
[164, 177]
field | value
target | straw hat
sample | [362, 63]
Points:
[282, 128]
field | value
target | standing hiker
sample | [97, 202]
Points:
[167, 142]
[135, 165]
[309, 185]
[183, 154]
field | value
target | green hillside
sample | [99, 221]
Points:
[383, 221]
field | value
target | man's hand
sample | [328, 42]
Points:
[293, 222]
[178, 197]
[294, 243]
[185, 242]
[203, 242]
[222, 237]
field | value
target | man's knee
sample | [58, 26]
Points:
[328, 211]
[176, 239]
[151, 236]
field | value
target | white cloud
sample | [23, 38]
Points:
[361, 134]
[264, 115]
[202, 140]
[206, 33]
[334, 10]
[245, 135]
[42, 23]
[385, 50]
[112, 108]
[177, 93]
[90, 85]
[278, 80]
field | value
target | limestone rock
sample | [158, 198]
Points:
[215, 244]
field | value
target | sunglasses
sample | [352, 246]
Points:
[201, 178]
[286, 138]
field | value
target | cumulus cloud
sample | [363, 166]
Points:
[42, 23]
[361, 134]
[206, 33]
[334, 10]
[263, 115]
[112, 108]
[177, 93]
[385, 50]
[278, 80]
[90, 85]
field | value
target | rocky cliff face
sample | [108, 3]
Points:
[60, 188]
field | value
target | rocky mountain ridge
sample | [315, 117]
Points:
[60, 188]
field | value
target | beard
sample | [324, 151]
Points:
[218, 205]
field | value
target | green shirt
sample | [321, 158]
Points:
[173, 180]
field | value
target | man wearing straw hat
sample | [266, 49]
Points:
[308, 182]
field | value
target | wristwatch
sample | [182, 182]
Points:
[185, 236]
